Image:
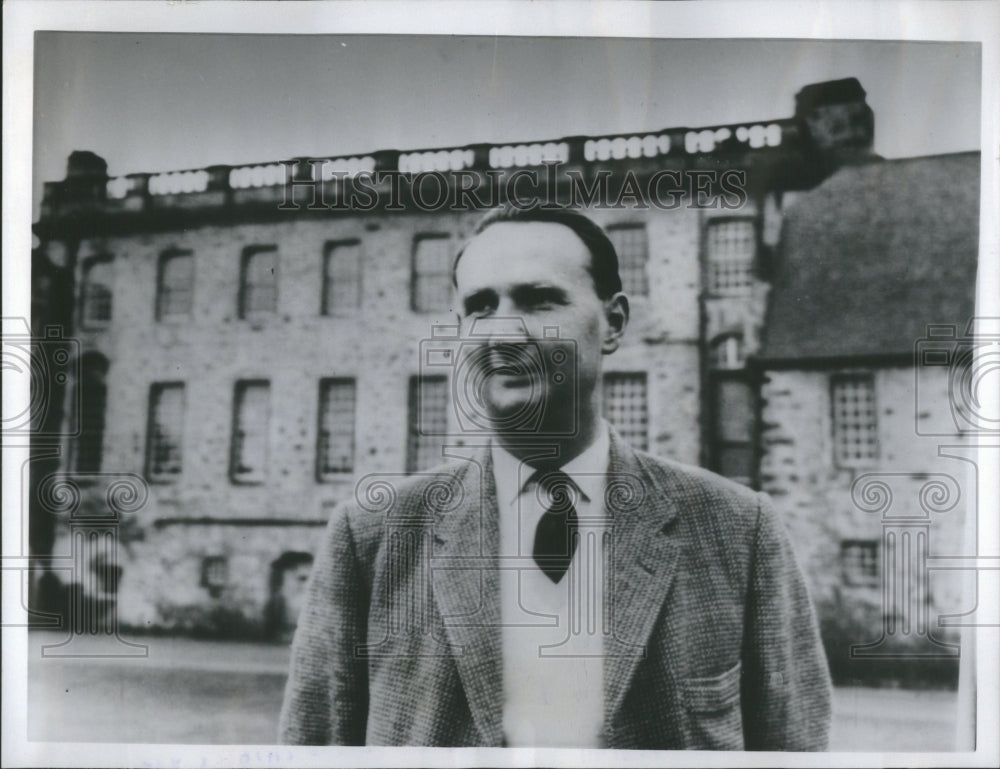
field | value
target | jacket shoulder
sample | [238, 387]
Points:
[705, 495]
[379, 499]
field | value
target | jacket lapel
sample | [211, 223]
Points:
[644, 563]
[466, 588]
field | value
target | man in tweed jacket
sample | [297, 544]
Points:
[705, 636]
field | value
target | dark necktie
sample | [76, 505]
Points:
[557, 533]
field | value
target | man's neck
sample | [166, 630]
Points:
[550, 451]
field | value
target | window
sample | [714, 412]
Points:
[859, 561]
[335, 447]
[431, 273]
[215, 574]
[625, 407]
[165, 433]
[259, 283]
[632, 246]
[855, 439]
[248, 460]
[92, 399]
[428, 422]
[175, 286]
[734, 411]
[95, 308]
[731, 246]
[341, 276]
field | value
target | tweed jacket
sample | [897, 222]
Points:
[711, 642]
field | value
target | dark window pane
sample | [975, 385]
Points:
[736, 462]
[250, 429]
[431, 273]
[96, 289]
[735, 405]
[176, 284]
[855, 436]
[625, 407]
[335, 453]
[166, 420]
[732, 245]
[632, 245]
[428, 422]
[259, 291]
[342, 277]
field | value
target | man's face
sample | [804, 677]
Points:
[517, 283]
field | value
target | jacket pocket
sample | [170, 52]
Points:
[713, 710]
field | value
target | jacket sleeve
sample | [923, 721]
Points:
[785, 688]
[326, 697]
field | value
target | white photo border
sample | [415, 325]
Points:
[887, 21]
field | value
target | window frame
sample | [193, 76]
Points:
[419, 441]
[239, 393]
[416, 277]
[211, 564]
[643, 268]
[839, 460]
[156, 390]
[87, 320]
[609, 378]
[711, 286]
[161, 286]
[854, 572]
[326, 384]
[717, 443]
[94, 366]
[330, 248]
[247, 256]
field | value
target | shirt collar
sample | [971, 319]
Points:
[588, 469]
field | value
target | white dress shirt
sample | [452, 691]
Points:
[552, 632]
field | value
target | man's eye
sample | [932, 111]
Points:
[479, 305]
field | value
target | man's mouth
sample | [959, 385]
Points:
[510, 377]
[510, 366]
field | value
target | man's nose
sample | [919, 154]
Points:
[501, 329]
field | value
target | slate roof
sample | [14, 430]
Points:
[873, 255]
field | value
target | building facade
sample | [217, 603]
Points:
[868, 410]
[251, 340]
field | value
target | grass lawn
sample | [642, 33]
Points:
[203, 692]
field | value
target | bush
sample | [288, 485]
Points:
[218, 622]
[847, 622]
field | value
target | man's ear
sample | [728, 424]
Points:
[616, 314]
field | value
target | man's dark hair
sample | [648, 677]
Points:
[603, 267]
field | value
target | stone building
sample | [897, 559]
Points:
[250, 343]
[865, 411]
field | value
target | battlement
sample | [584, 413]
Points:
[793, 152]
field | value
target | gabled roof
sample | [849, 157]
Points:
[873, 255]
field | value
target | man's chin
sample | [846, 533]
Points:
[510, 410]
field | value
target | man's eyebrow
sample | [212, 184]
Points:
[480, 295]
[539, 290]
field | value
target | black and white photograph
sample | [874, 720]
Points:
[500, 384]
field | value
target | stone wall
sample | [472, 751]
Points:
[815, 496]
[294, 348]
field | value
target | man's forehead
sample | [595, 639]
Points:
[525, 248]
[521, 233]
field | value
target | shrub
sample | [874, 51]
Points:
[847, 622]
